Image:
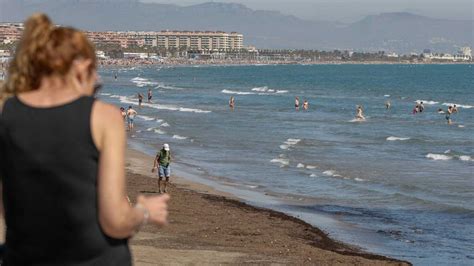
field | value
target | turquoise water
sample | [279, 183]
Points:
[402, 183]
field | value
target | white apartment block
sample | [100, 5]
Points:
[200, 40]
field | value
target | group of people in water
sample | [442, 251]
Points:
[419, 108]
[140, 97]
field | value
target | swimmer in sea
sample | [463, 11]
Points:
[359, 113]
[387, 105]
[421, 107]
[416, 109]
[455, 109]
[232, 102]
[440, 111]
[297, 103]
[140, 99]
[305, 105]
[448, 114]
[150, 95]
[115, 76]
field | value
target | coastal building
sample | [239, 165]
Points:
[10, 32]
[171, 40]
[200, 40]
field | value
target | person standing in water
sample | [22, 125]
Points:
[162, 162]
[140, 99]
[150, 95]
[421, 107]
[449, 112]
[359, 113]
[131, 114]
[64, 190]
[123, 113]
[305, 105]
[387, 105]
[455, 109]
[416, 109]
[232, 102]
[297, 103]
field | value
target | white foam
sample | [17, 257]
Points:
[392, 138]
[359, 179]
[310, 167]
[283, 162]
[260, 89]
[179, 137]
[284, 147]
[158, 131]
[169, 87]
[461, 126]
[426, 102]
[256, 91]
[447, 151]
[386, 95]
[355, 120]
[142, 82]
[164, 125]
[105, 94]
[466, 158]
[437, 157]
[237, 92]
[329, 173]
[300, 165]
[124, 99]
[459, 105]
[150, 129]
[292, 141]
[313, 175]
[146, 118]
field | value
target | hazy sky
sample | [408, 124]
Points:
[351, 10]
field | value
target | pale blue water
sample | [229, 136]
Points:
[409, 198]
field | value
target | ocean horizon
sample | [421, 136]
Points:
[398, 184]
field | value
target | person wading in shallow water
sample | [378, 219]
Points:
[162, 162]
[150, 95]
[62, 157]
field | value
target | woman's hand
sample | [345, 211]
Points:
[157, 206]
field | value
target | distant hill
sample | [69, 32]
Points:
[398, 32]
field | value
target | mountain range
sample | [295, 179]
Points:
[392, 32]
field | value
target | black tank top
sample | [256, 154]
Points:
[49, 175]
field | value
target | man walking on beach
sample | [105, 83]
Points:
[163, 160]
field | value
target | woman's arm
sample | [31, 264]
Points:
[117, 218]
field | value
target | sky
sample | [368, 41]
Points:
[352, 10]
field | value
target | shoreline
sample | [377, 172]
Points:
[176, 63]
[235, 240]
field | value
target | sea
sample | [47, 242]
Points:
[398, 184]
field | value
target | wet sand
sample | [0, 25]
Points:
[208, 227]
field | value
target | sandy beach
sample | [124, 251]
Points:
[209, 227]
